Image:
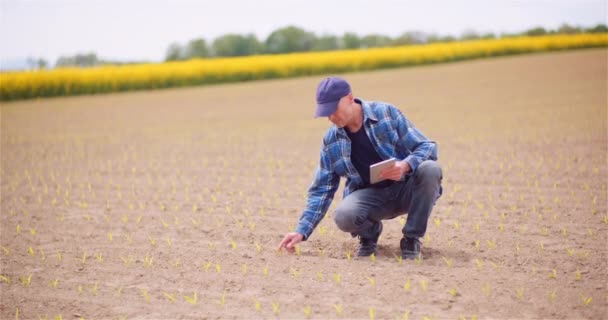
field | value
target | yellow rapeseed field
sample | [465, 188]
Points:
[71, 81]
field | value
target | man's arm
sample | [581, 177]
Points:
[420, 147]
[320, 195]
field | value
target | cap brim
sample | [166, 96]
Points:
[326, 109]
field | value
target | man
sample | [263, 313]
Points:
[365, 133]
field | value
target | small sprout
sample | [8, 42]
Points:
[258, 306]
[320, 275]
[348, 255]
[372, 257]
[5, 279]
[307, 311]
[169, 296]
[479, 264]
[294, 272]
[578, 275]
[453, 292]
[372, 281]
[193, 299]
[399, 259]
[552, 295]
[408, 285]
[338, 309]
[553, 274]
[423, 284]
[372, 313]
[486, 289]
[586, 300]
[520, 293]
[337, 278]
[275, 308]
[448, 262]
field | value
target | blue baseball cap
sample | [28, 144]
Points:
[329, 93]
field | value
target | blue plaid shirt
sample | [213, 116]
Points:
[391, 134]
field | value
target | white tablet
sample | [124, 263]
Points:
[376, 168]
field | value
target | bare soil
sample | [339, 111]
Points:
[126, 206]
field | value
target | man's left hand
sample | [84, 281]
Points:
[397, 171]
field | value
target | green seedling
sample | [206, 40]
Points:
[486, 289]
[586, 300]
[423, 285]
[5, 279]
[257, 306]
[372, 281]
[54, 283]
[338, 309]
[192, 300]
[448, 262]
[295, 273]
[479, 264]
[399, 259]
[578, 275]
[453, 292]
[372, 313]
[552, 295]
[553, 274]
[408, 285]
[145, 294]
[337, 278]
[307, 311]
[520, 293]
[275, 308]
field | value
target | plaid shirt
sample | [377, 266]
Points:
[391, 134]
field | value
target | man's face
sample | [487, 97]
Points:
[344, 113]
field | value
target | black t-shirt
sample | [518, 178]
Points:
[363, 154]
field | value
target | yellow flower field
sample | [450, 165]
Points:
[72, 81]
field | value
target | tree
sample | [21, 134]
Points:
[407, 38]
[538, 31]
[289, 39]
[598, 29]
[232, 45]
[325, 43]
[351, 41]
[375, 40]
[175, 52]
[568, 29]
[79, 60]
[196, 48]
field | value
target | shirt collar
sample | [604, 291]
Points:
[367, 110]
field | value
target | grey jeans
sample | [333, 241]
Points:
[360, 212]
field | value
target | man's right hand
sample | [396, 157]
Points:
[290, 240]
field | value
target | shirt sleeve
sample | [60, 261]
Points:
[320, 195]
[419, 146]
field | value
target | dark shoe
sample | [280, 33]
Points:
[410, 248]
[368, 245]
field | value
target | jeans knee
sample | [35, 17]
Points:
[429, 170]
[344, 219]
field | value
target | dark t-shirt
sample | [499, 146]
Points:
[363, 154]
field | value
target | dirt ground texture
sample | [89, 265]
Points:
[170, 204]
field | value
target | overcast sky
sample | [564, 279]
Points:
[143, 29]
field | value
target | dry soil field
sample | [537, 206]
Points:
[170, 204]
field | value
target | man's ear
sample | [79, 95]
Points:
[351, 98]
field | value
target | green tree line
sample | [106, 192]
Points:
[294, 39]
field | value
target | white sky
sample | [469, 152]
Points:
[143, 29]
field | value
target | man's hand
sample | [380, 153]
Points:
[397, 171]
[290, 240]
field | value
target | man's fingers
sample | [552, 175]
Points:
[293, 242]
[283, 242]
